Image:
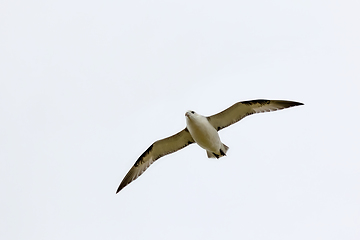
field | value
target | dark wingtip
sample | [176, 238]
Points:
[298, 104]
[291, 103]
[122, 185]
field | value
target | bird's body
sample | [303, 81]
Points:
[204, 131]
[204, 134]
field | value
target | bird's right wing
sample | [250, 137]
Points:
[155, 151]
[240, 110]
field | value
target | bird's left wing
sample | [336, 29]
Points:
[155, 151]
[242, 109]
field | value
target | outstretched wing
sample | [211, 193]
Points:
[242, 109]
[155, 151]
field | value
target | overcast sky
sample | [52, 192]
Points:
[87, 86]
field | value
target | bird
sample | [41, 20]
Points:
[203, 131]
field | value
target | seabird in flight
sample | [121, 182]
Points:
[204, 131]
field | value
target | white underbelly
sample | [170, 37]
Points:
[205, 136]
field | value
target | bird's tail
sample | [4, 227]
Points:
[223, 151]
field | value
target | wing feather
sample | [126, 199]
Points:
[240, 110]
[155, 151]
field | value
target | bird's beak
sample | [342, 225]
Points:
[187, 114]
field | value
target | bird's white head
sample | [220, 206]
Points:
[189, 114]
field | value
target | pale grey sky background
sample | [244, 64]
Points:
[87, 86]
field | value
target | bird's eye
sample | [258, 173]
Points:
[192, 112]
